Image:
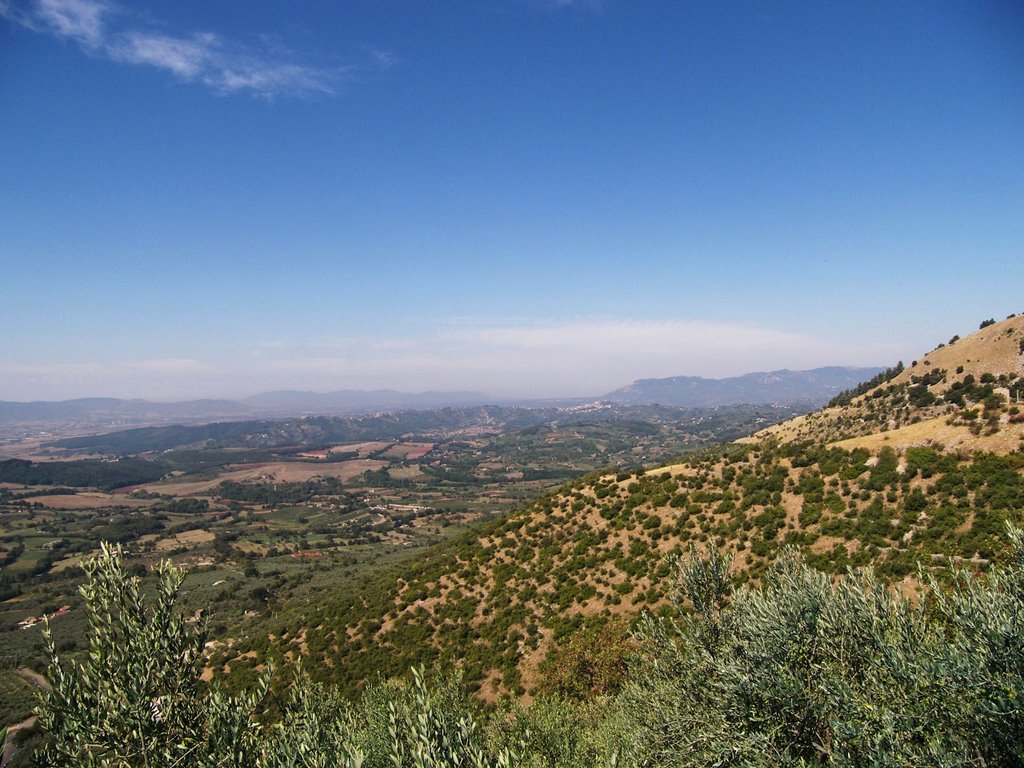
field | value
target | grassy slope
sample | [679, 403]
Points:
[995, 351]
[496, 600]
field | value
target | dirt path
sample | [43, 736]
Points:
[13, 731]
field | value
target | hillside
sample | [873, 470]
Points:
[504, 601]
[596, 550]
[814, 387]
[293, 519]
[439, 423]
[960, 395]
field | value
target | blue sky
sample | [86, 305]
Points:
[522, 197]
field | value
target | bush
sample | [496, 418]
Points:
[799, 670]
[804, 671]
[135, 699]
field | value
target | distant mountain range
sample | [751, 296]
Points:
[811, 388]
[815, 387]
[113, 409]
[267, 404]
[349, 401]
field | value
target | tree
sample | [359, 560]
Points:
[802, 670]
[136, 699]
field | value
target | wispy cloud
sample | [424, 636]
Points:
[80, 20]
[586, 357]
[185, 58]
[227, 66]
[167, 378]
[383, 59]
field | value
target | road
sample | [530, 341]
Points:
[28, 723]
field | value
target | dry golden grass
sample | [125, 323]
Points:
[990, 350]
[938, 432]
[29, 449]
[405, 473]
[363, 449]
[281, 472]
[91, 500]
[300, 472]
[250, 546]
[72, 562]
[995, 350]
[409, 451]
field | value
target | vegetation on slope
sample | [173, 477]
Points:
[846, 397]
[503, 599]
[539, 604]
[271, 530]
[799, 670]
[95, 473]
[330, 430]
[975, 383]
[500, 598]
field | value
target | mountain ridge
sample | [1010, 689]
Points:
[956, 388]
[815, 386]
[812, 387]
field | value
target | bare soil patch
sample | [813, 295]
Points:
[91, 500]
[281, 472]
[363, 449]
[184, 539]
[409, 451]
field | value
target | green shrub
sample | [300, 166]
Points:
[135, 699]
[797, 669]
[805, 671]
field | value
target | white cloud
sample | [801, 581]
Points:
[173, 366]
[582, 357]
[168, 379]
[268, 80]
[185, 58]
[102, 28]
[383, 59]
[594, 356]
[586, 357]
[80, 20]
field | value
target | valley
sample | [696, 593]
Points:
[271, 517]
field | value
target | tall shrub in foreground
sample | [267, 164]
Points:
[135, 699]
[802, 670]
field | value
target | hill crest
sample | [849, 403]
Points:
[964, 395]
[813, 387]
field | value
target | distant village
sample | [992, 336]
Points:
[32, 621]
